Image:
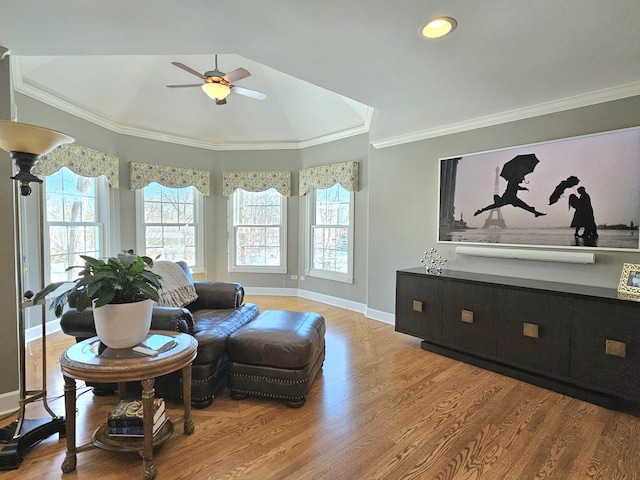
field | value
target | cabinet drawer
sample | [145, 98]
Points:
[469, 317]
[419, 306]
[534, 330]
[605, 346]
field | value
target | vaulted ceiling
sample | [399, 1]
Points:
[330, 69]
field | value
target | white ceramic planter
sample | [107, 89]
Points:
[123, 325]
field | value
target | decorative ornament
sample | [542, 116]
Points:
[433, 261]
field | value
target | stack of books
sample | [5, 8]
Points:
[126, 418]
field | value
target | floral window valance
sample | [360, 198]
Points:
[142, 174]
[326, 176]
[80, 160]
[256, 182]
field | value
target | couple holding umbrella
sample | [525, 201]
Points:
[583, 216]
[514, 172]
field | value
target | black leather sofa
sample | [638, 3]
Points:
[216, 314]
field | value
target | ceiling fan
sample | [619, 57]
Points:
[218, 85]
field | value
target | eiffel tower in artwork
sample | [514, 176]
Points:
[497, 222]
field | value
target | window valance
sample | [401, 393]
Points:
[142, 174]
[325, 176]
[80, 160]
[256, 182]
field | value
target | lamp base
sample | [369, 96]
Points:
[33, 431]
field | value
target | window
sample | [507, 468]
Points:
[331, 234]
[257, 226]
[75, 222]
[169, 225]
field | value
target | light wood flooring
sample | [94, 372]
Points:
[381, 408]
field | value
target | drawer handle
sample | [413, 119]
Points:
[467, 316]
[530, 330]
[615, 348]
[417, 306]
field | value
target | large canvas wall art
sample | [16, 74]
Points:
[581, 192]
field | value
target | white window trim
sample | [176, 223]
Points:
[326, 274]
[231, 243]
[198, 214]
[107, 214]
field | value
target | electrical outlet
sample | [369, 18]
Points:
[294, 277]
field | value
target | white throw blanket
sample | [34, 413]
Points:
[177, 290]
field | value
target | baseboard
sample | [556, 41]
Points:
[35, 333]
[333, 301]
[380, 316]
[9, 403]
[272, 291]
[327, 299]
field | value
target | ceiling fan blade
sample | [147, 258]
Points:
[221, 102]
[249, 93]
[187, 85]
[235, 75]
[189, 69]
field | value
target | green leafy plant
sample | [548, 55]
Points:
[123, 279]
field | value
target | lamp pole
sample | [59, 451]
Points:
[25, 144]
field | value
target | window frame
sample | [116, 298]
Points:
[198, 220]
[311, 225]
[231, 237]
[106, 219]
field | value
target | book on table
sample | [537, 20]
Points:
[126, 418]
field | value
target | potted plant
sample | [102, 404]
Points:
[121, 290]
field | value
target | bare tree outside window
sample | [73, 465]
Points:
[72, 221]
[257, 224]
[330, 229]
[170, 223]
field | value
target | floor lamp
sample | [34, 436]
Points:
[25, 144]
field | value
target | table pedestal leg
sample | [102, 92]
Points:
[148, 394]
[186, 395]
[69, 463]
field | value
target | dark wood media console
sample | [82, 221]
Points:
[577, 340]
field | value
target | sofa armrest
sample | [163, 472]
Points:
[78, 324]
[81, 325]
[217, 295]
[176, 319]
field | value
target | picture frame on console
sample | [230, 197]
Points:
[576, 193]
[630, 280]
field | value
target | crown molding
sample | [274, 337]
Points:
[66, 106]
[577, 101]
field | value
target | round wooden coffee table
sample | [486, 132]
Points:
[91, 361]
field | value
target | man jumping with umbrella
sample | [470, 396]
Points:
[514, 172]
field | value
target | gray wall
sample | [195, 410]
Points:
[8, 291]
[404, 204]
[129, 148]
[353, 149]
[282, 160]
[396, 207]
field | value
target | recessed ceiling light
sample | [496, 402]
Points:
[438, 27]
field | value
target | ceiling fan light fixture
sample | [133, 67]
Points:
[216, 91]
[438, 27]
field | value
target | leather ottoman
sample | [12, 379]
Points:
[278, 355]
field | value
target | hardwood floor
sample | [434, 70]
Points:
[381, 408]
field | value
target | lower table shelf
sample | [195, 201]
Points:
[120, 443]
